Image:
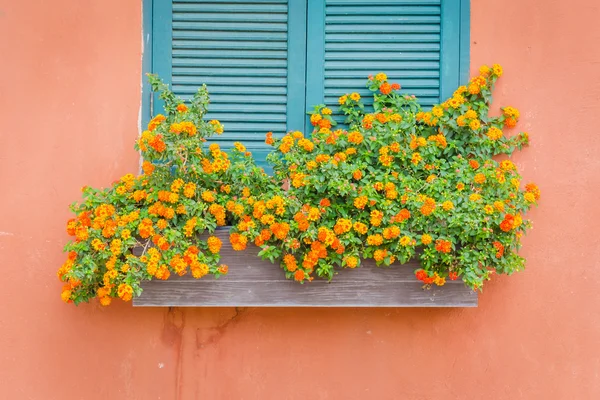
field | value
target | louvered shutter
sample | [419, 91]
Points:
[416, 42]
[266, 62]
[250, 54]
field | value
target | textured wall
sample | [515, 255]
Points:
[70, 94]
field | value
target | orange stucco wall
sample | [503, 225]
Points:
[69, 102]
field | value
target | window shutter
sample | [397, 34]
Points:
[416, 42]
[250, 54]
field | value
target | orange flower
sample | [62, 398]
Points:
[208, 196]
[360, 227]
[499, 249]
[380, 255]
[342, 226]
[147, 167]
[355, 137]
[360, 202]
[443, 246]
[351, 262]
[182, 108]
[374, 240]
[315, 118]
[223, 269]
[299, 275]
[269, 138]
[280, 230]
[290, 262]
[385, 88]
[189, 128]
[402, 216]
[238, 242]
[391, 232]
[428, 206]
[214, 244]
[508, 223]
[479, 178]
[533, 189]
[125, 292]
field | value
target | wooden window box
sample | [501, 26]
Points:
[252, 282]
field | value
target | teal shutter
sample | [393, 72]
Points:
[250, 54]
[417, 43]
[266, 62]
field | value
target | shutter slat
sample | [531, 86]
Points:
[232, 81]
[230, 17]
[218, 53]
[396, 74]
[367, 11]
[380, 3]
[389, 29]
[239, 90]
[230, 26]
[381, 55]
[201, 73]
[383, 19]
[383, 37]
[230, 36]
[228, 45]
[386, 47]
[239, 49]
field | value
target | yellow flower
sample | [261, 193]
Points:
[488, 209]
[360, 227]
[315, 118]
[351, 262]
[529, 197]
[381, 76]
[426, 239]
[343, 99]
[326, 111]
[447, 205]
[494, 133]
[475, 124]
[475, 197]
[355, 96]
[239, 147]
[208, 196]
[497, 68]
[297, 135]
[507, 165]
[416, 158]
[471, 114]
[498, 205]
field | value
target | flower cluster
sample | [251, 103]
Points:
[150, 226]
[396, 183]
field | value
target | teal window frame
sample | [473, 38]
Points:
[157, 54]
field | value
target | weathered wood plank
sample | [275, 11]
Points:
[252, 282]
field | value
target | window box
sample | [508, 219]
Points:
[252, 282]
